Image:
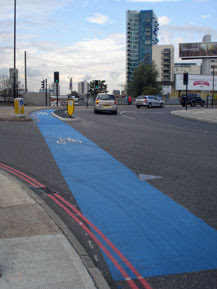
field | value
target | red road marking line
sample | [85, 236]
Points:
[137, 274]
[34, 185]
[85, 228]
[12, 170]
[127, 278]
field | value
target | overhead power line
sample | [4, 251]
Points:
[73, 66]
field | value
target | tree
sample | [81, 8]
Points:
[144, 80]
[7, 91]
[5, 88]
[102, 88]
[73, 93]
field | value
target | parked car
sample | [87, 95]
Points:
[149, 101]
[105, 102]
[192, 99]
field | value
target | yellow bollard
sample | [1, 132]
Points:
[70, 106]
[19, 107]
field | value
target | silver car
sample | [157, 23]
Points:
[105, 102]
[149, 101]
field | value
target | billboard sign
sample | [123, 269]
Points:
[196, 82]
[198, 50]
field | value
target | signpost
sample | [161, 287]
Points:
[13, 76]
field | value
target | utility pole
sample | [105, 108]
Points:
[121, 85]
[15, 4]
[25, 71]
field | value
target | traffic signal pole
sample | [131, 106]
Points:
[185, 82]
[46, 91]
[56, 80]
[57, 93]
[186, 98]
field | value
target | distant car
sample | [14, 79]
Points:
[149, 101]
[75, 99]
[192, 99]
[105, 102]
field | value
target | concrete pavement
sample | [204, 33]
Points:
[7, 113]
[34, 251]
[207, 115]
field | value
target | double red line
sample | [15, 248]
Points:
[71, 211]
[22, 176]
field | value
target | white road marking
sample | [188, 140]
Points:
[122, 114]
[143, 177]
[68, 140]
[90, 244]
[42, 113]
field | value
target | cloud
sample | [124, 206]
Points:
[154, 1]
[205, 16]
[163, 20]
[89, 59]
[174, 34]
[97, 18]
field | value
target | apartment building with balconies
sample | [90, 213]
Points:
[163, 57]
[142, 33]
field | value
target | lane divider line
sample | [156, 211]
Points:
[124, 259]
[85, 228]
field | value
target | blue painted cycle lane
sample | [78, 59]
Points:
[157, 235]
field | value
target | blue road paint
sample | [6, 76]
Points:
[157, 235]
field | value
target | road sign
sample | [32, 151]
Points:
[13, 71]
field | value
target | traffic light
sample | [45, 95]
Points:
[42, 84]
[96, 84]
[185, 78]
[56, 77]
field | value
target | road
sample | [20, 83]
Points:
[153, 142]
[179, 152]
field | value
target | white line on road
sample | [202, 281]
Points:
[143, 177]
[122, 114]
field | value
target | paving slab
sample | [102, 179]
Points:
[37, 262]
[34, 252]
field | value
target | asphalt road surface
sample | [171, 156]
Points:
[178, 157]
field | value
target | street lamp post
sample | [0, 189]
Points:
[15, 4]
[70, 84]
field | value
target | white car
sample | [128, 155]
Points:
[149, 101]
[75, 99]
[105, 102]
